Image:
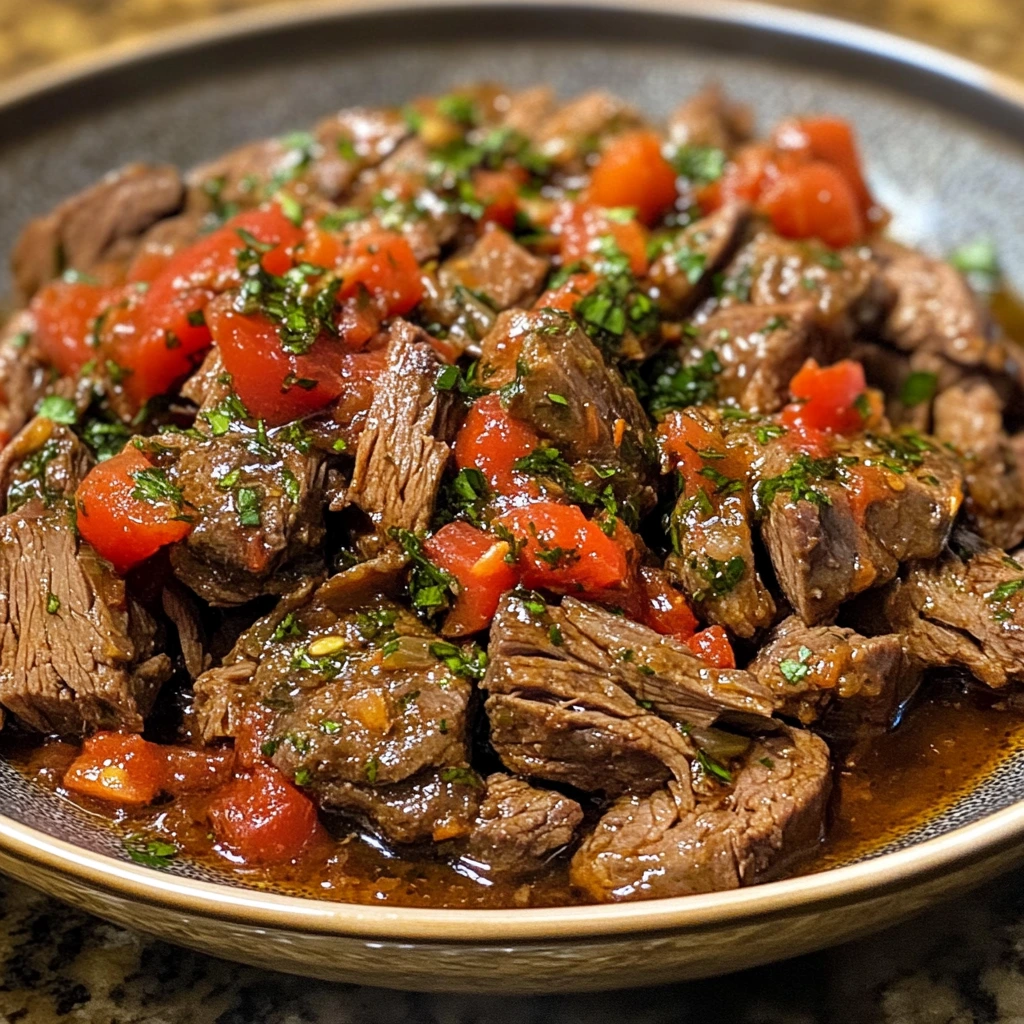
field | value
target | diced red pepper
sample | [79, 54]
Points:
[384, 264]
[263, 819]
[744, 178]
[123, 527]
[632, 172]
[117, 767]
[499, 193]
[814, 201]
[65, 315]
[665, 609]
[359, 372]
[566, 295]
[712, 644]
[274, 385]
[564, 551]
[491, 440]
[580, 228]
[829, 397]
[477, 560]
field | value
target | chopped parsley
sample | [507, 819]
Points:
[377, 624]
[60, 410]
[152, 853]
[1001, 595]
[798, 481]
[919, 387]
[795, 670]
[470, 661]
[153, 486]
[291, 485]
[247, 505]
[430, 587]
[227, 412]
[700, 164]
[52, 604]
[677, 386]
[721, 577]
[461, 777]
[979, 261]
[711, 768]
[285, 628]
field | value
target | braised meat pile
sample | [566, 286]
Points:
[504, 484]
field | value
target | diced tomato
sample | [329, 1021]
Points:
[566, 295]
[830, 139]
[829, 397]
[744, 178]
[65, 315]
[499, 193]
[712, 644]
[665, 609]
[263, 818]
[124, 528]
[632, 172]
[251, 733]
[117, 767]
[580, 227]
[359, 372]
[191, 770]
[384, 264]
[274, 385]
[683, 437]
[814, 201]
[477, 561]
[491, 440]
[564, 551]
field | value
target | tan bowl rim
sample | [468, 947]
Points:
[961, 848]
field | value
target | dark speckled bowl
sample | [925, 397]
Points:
[942, 140]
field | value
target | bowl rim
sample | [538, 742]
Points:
[972, 844]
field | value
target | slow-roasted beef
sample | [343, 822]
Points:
[965, 609]
[708, 119]
[357, 693]
[77, 652]
[850, 684]
[684, 270]
[969, 416]
[254, 501]
[403, 449]
[581, 696]
[97, 226]
[571, 133]
[836, 526]
[24, 374]
[647, 846]
[759, 349]
[594, 417]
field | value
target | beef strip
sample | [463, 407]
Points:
[403, 449]
[357, 694]
[77, 651]
[255, 501]
[647, 846]
[824, 547]
[936, 311]
[580, 696]
[24, 374]
[713, 556]
[760, 348]
[524, 112]
[965, 609]
[846, 287]
[969, 416]
[709, 119]
[683, 273]
[97, 226]
[43, 463]
[598, 419]
[571, 133]
[852, 685]
[518, 827]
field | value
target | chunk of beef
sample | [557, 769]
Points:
[24, 374]
[573, 131]
[682, 274]
[255, 502]
[77, 652]
[710, 119]
[969, 416]
[713, 550]
[519, 827]
[839, 525]
[847, 288]
[97, 226]
[852, 685]
[936, 311]
[647, 846]
[525, 111]
[595, 419]
[357, 693]
[966, 609]
[44, 463]
[432, 806]
[403, 449]
[580, 696]
[760, 348]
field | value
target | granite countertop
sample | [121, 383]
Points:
[962, 963]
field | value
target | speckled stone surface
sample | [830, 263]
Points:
[962, 963]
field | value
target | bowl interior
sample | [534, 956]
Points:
[939, 153]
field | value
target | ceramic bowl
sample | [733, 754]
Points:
[942, 140]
